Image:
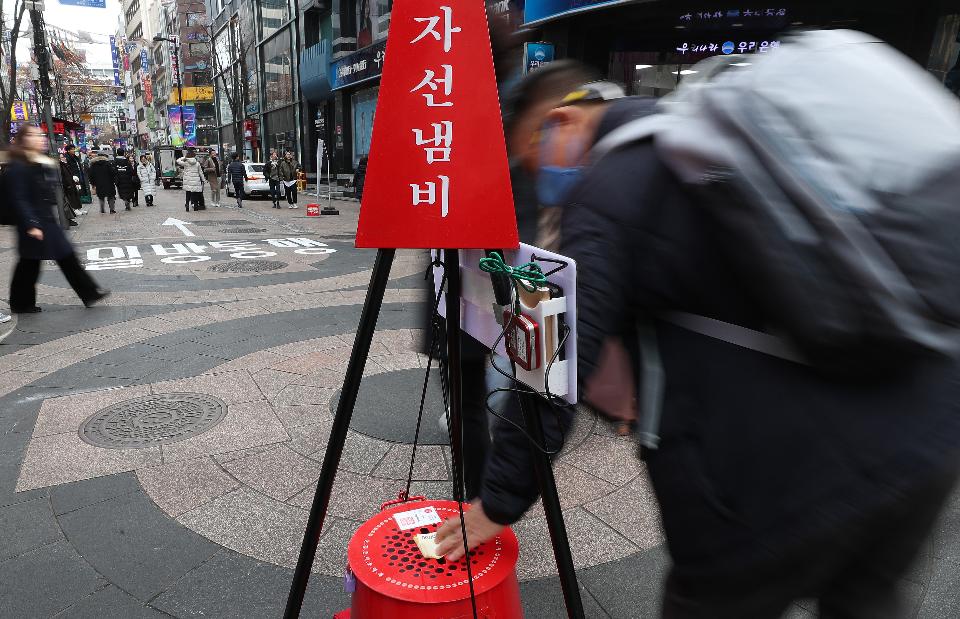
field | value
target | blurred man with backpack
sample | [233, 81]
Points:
[799, 386]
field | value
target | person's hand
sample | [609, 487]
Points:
[479, 530]
[36, 233]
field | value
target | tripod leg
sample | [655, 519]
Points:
[338, 432]
[551, 509]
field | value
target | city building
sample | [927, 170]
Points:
[180, 72]
[255, 67]
[139, 32]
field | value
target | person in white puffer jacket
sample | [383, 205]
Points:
[192, 180]
[147, 175]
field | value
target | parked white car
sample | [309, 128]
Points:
[254, 182]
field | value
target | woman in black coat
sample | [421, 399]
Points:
[101, 177]
[31, 181]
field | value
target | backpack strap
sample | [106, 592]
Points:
[735, 334]
[652, 378]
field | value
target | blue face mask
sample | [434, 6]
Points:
[554, 182]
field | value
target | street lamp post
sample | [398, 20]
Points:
[176, 56]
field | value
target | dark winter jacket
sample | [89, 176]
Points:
[759, 457]
[288, 170]
[125, 178]
[102, 177]
[32, 191]
[236, 172]
[271, 170]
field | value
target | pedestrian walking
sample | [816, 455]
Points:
[147, 174]
[71, 196]
[236, 173]
[124, 178]
[288, 175]
[77, 168]
[102, 177]
[192, 180]
[271, 170]
[213, 173]
[30, 183]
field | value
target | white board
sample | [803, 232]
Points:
[477, 314]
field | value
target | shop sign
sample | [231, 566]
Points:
[358, 67]
[727, 47]
[739, 14]
[536, 55]
[437, 173]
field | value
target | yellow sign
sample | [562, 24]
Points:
[192, 93]
[19, 111]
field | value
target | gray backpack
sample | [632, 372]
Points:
[832, 169]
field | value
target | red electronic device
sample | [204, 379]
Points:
[523, 340]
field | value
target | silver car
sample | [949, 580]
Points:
[254, 182]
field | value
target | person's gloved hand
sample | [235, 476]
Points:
[479, 530]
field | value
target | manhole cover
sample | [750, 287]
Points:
[222, 222]
[247, 266]
[153, 420]
[242, 230]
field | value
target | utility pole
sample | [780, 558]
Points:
[42, 54]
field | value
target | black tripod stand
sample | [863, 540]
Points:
[341, 424]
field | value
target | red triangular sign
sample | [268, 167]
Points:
[437, 176]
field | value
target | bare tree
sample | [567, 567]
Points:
[8, 86]
[233, 85]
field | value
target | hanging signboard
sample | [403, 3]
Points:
[536, 55]
[437, 174]
[19, 111]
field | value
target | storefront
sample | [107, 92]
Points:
[650, 46]
[356, 80]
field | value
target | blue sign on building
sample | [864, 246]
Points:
[115, 57]
[93, 4]
[536, 55]
[359, 67]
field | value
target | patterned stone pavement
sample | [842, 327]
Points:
[230, 345]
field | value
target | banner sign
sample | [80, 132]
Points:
[536, 55]
[176, 129]
[19, 111]
[144, 60]
[189, 125]
[175, 64]
[115, 58]
[437, 173]
[359, 67]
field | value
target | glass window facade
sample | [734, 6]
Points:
[280, 131]
[273, 15]
[278, 71]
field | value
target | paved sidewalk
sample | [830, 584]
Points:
[158, 453]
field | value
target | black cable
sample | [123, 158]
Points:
[555, 402]
[457, 465]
